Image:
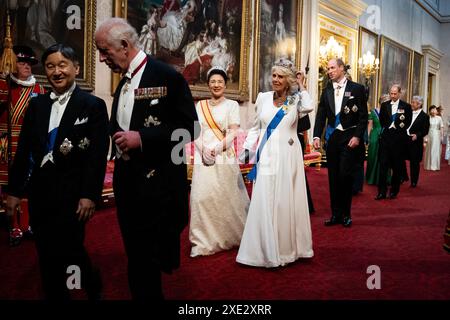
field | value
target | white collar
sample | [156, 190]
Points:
[31, 81]
[417, 111]
[63, 97]
[137, 60]
[340, 84]
[395, 103]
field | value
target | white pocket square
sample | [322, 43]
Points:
[154, 101]
[84, 120]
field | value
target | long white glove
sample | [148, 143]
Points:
[305, 104]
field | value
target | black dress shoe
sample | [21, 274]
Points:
[413, 185]
[393, 195]
[380, 196]
[347, 222]
[332, 221]
[15, 237]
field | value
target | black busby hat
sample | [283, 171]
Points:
[25, 54]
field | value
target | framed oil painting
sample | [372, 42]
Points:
[277, 34]
[395, 67]
[193, 36]
[368, 41]
[417, 75]
[39, 24]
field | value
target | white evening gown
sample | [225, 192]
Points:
[434, 146]
[219, 198]
[278, 229]
[171, 35]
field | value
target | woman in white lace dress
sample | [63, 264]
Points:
[278, 229]
[219, 199]
[434, 142]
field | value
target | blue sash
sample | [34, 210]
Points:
[51, 140]
[393, 117]
[330, 129]
[270, 128]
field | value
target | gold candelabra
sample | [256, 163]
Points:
[368, 65]
[330, 50]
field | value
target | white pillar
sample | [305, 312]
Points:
[311, 43]
[432, 59]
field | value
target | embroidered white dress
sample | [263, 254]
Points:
[219, 199]
[278, 229]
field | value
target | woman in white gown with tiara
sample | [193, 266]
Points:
[219, 198]
[278, 229]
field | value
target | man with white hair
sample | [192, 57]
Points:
[417, 131]
[151, 102]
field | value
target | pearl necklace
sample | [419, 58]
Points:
[216, 102]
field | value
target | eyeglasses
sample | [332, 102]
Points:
[213, 82]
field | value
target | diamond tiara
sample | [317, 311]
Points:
[287, 64]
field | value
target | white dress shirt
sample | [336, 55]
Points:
[415, 114]
[339, 90]
[56, 114]
[126, 98]
[394, 108]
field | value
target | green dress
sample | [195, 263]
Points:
[373, 164]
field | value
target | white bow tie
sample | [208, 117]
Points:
[337, 86]
[60, 97]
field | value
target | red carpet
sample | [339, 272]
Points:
[404, 237]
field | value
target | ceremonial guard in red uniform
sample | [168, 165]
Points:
[23, 87]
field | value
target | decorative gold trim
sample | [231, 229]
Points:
[341, 31]
[257, 39]
[383, 42]
[120, 11]
[415, 53]
[120, 8]
[202, 92]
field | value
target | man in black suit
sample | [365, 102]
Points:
[152, 107]
[342, 104]
[420, 124]
[395, 119]
[66, 134]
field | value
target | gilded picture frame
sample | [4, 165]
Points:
[369, 41]
[39, 24]
[395, 67]
[216, 34]
[277, 33]
[417, 75]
